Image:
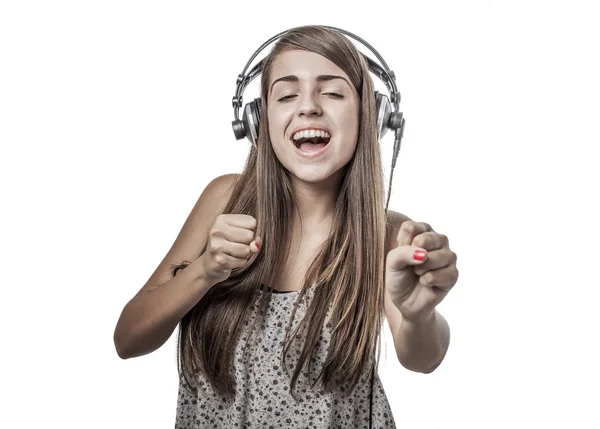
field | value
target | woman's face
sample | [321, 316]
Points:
[307, 91]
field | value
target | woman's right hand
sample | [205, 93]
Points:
[231, 242]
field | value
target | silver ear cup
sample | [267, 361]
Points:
[250, 123]
[384, 110]
[256, 110]
[238, 129]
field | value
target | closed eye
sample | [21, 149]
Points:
[332, 94]
[287, 97]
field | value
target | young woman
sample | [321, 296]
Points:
[281, 275]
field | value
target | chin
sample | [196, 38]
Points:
[314, 174]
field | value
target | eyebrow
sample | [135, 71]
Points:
[320, 78]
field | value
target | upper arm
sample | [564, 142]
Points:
[392, 314]
[194, 233]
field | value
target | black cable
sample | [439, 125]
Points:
[399, 132]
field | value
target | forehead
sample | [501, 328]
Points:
[303, 64]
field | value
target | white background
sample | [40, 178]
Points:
[115, 115]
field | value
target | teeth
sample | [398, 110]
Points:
[310, 134]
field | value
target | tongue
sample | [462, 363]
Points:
[310, 147]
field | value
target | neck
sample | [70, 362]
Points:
[316, 203]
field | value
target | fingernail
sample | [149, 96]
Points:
[419, 255]
[257, 246]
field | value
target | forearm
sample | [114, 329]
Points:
[422, 345]
[150, 318]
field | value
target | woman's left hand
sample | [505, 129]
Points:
[418, 286]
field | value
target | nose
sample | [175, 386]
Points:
[309, 106]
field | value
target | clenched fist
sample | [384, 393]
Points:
[231, 241]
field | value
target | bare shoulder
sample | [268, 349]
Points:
[191, 238]
[218, 191]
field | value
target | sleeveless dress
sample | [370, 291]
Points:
[263, 398]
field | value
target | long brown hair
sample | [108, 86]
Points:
[348, 269]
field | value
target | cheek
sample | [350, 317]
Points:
[273, 125]
[277, 127]
[348, 124]
[277, 120]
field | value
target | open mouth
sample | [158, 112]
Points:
[311, 143]
[311, 140]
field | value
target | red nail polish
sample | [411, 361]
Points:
[257, 246]
[419, 255]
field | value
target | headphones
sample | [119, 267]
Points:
[389, 116]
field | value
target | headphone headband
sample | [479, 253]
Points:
[383, 72]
